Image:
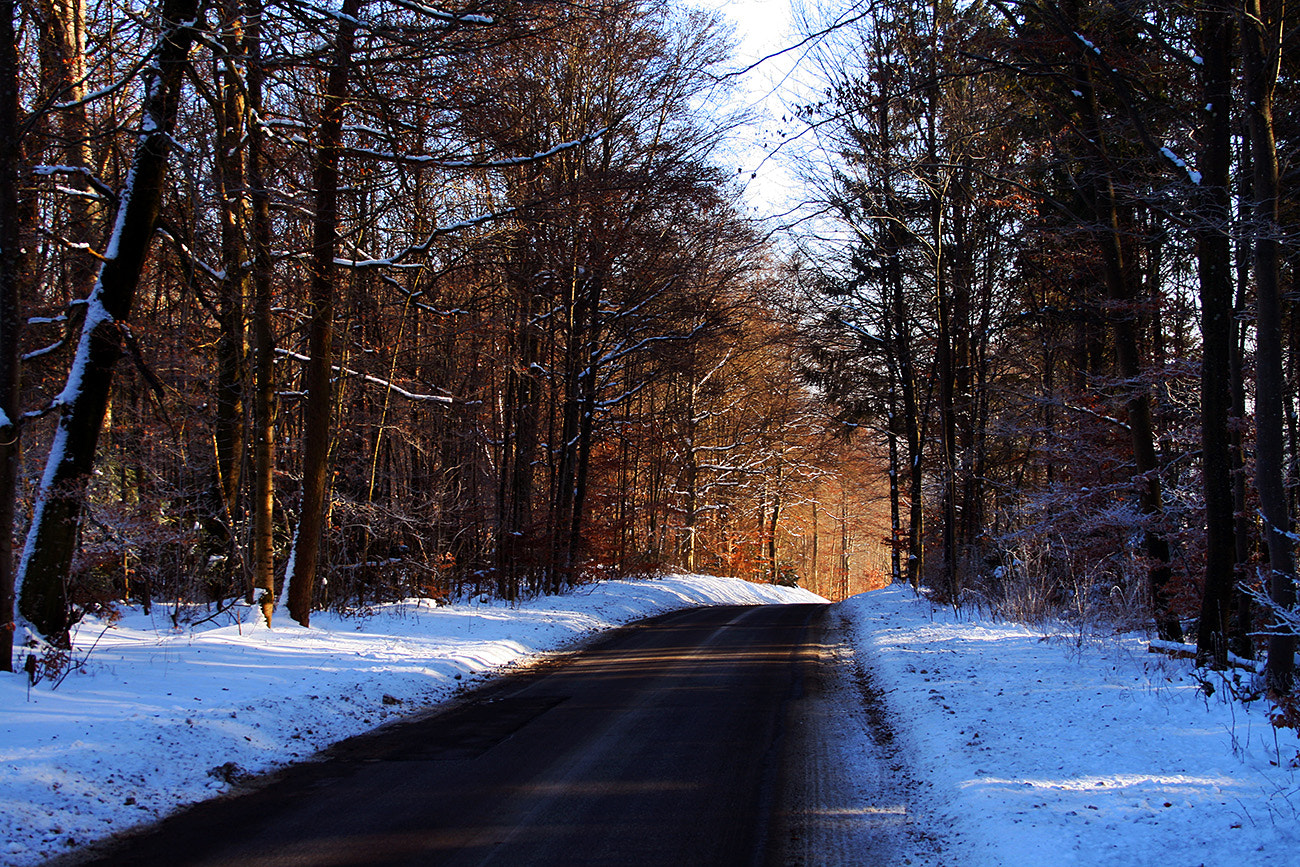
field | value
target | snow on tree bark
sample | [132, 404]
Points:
[47, 556]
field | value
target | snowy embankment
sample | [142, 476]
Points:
[1034, 746]
[155, 716]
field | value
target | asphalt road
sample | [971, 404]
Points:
[683, 740]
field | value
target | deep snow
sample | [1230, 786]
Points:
[1020, 746]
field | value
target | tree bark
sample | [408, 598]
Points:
[1260, 44]
[1214, 263]
[51, 539]
[62, 28]
[13, 273]
[319, 403]
[231, 185]
[262, 543]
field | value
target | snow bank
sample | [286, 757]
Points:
[156, 717]
[1046, 747]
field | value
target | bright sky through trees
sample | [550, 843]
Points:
[763, 28]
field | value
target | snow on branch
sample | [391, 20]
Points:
[1273, 528]
[443, 15]
[102, 190]
[44, 350]
[114, 87]
[1286, 621]
[189, 256]
[1192, 174]
[393, 387]
[509, 162]
[423, 247]
[1083, 410]
[440, 15]
[619, 353]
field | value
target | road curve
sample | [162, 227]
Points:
[666, 743]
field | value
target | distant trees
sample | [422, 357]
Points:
[1041, 299]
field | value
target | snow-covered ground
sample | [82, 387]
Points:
[157, 716]
[1025, 746]
[1040, 746]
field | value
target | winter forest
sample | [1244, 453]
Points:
[334, 303]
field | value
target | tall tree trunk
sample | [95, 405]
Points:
[262, 543]
[690, 451]
[1243, 516]
[895, 515]
[318, 406]
[231, 184]
[576, 364]
[1261, 43]
[814, 574]
[13, 273]
[519, 441]
[769, 532]
[62, 28]
[899, 325]
[1214, 261]
[589, 387]
[52, 536]
[914, 427]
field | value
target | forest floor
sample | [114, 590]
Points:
[1019, 745]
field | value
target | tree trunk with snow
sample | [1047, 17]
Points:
[52, 537]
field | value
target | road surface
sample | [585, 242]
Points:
[698, 737]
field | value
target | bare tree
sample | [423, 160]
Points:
[52, 537]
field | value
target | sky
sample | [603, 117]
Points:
[763, 28]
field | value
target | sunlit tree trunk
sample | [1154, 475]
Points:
[231, 186]
[62, 52]
[262, 541]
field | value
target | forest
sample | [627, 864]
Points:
[333, 303]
